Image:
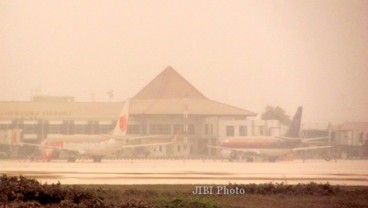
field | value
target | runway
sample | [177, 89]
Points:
[343, 172]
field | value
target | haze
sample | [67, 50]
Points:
[244, 53]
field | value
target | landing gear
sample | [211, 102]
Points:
[71, 159]
[97, 159]
[327, 157]
[240, 156]
[233, 156]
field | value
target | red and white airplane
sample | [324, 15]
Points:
[270, 147]
[92, 146]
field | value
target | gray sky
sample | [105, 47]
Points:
[244, 53]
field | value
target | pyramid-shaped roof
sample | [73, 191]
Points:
[169, 84]
[170, 93]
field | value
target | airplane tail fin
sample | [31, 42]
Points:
[15, 137]
[294, 128]
[121, 126]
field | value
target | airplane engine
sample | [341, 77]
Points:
[231, 154]
[48, 155]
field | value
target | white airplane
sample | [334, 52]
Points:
[270, 147]
[92, 146]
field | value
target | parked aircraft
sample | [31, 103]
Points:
[92, 146]
[270, 147]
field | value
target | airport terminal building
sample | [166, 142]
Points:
[166, 105]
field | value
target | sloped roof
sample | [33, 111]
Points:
[179, 106]
[169, 84]
[170, 93]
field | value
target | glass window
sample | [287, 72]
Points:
[178, 128]
[261, 131]
[30, 129]
[243, 131]
[104, 129]
[55, 129]
[206, 129]
[191, 130]
[4, 126]
[143, 129]
[160, 129]
[230, 131]
[80, 129]
[134, 129]
[164, 129]
[152, 129]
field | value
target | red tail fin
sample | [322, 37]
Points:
[122, 123]
[15, 136]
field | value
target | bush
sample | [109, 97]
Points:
[282, 188]
[182, 202]
[22, 192]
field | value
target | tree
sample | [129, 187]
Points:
[276, 113]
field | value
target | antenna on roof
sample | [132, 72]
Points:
[110, 94]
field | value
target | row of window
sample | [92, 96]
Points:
[230, 131]
[179, 148]
[164, 129]
[60, 129]
[208, 129]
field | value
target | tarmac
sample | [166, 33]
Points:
[150, 171]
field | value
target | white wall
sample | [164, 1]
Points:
[254, 128]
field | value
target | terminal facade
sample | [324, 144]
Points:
[167, 105]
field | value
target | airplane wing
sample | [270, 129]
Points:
[310, 148]
[287, 138]
[132, 138]
[314, 138]
[49, 147]
[315, 142]
[150, 144]
[28, 144]
[253, 151]
[303, 139]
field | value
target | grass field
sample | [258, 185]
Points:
[309, 195]
[23, 192]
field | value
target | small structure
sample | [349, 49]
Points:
[351, 139]
[351, 133]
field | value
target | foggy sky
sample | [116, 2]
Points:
[248, 54]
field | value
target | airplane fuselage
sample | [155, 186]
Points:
[270, 147]
[261, 143]
[89, 145]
